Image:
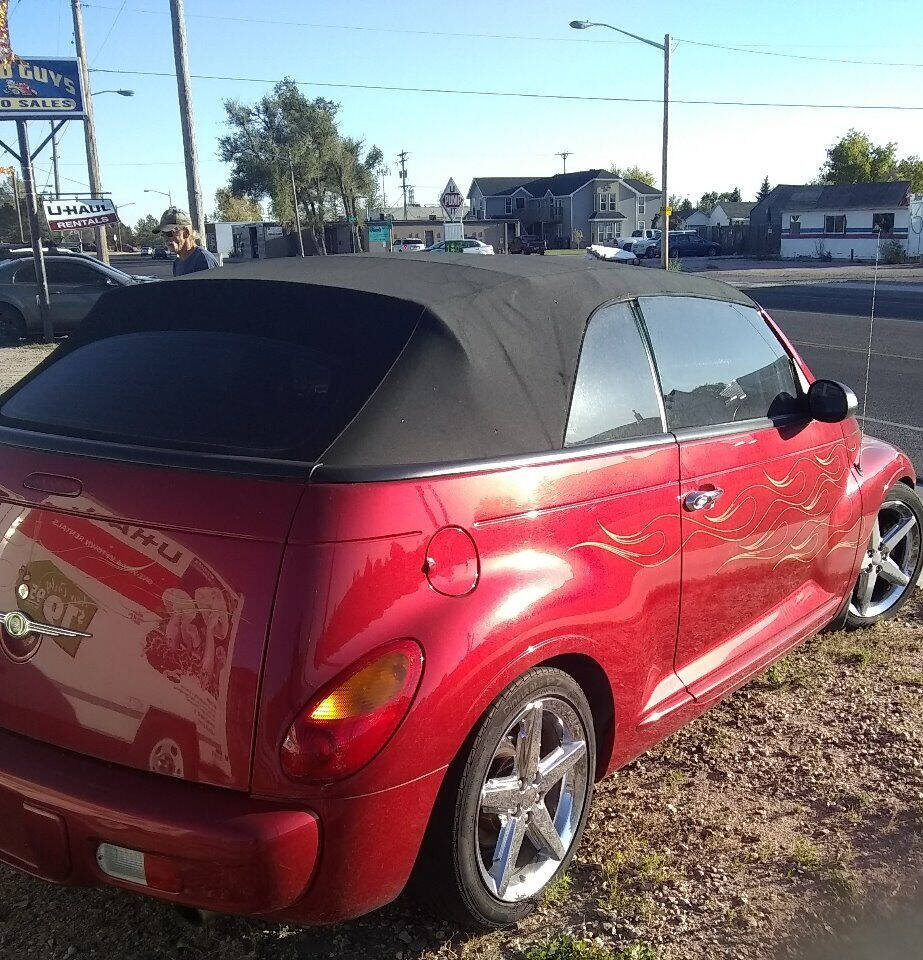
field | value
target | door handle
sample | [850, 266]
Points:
[702, 499]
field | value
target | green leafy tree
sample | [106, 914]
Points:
[634, 173]
[142, 235]
[355, 178]
[281, 132]
[765, 189]
[708, 201]
[235, 207]
[854, 158]
[911, 168]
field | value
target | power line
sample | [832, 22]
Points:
[115, 20]
[520, 94]
[798, 56]
[757, 49]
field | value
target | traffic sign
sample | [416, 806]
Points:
[451, 199]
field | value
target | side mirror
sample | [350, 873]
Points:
[830, 401]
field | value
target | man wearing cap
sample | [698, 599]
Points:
[181, 238]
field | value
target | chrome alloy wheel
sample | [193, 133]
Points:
[889, 561]
[532, 799]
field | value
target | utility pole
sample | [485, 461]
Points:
[54, 161]
[28, 180]
[402, 157]
[665, 228]
[184, 87]
[89, 127]
[22, 236]
[564, 154]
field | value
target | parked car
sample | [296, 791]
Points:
[410, 245]
[268, 651]
[469, 245]
[610, 250]
[528, 245]
[643, 243]
[163, 253]
[75, 283]
[687, 243]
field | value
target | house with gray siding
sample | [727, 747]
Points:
[567, 209]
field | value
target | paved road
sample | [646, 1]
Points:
[148, 266]
[829, 324]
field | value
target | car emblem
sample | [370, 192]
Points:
[21, 637]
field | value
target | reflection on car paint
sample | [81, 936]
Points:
[164, 624]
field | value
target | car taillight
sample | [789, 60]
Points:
[351, 719]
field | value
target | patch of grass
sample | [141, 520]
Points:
[861, 650]
[789, 672]
[674, 263]
[566, 947]
[558, 891]
[563, 253]
[831, 869]
[911, 678]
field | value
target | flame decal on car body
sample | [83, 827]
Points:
[807, 491]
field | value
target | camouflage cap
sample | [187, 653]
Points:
[174, 217]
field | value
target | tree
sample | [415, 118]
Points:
[235, 207]
[634, 173]
[682, 207]
[143, 233]
[911, 168]
[708, 201]
[765, 189]
[355, 177]
[9, 223]
[281, 132]
[855, 159]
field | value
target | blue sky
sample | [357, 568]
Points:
[467, 46]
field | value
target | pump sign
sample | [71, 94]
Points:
[47, 89]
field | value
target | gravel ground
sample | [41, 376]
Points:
[787, 821]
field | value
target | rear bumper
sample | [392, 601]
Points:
[230, 853]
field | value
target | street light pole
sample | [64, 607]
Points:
[89, 127]
[665, 49]
[164, 193]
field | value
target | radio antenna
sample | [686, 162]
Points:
[868, 361]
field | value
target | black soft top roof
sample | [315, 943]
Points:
[489, 367]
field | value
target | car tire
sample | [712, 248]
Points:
[892, 562]
[463, 867]
[712, 252]
[12, 325]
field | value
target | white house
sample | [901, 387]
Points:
[568, 209]
[728, 211]
[698, 218]
[845, 221]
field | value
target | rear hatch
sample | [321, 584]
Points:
[170, 574]
[149, 473]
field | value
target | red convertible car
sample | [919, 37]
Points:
[319, 574]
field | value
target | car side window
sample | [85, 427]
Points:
[25, 274]
[615, 397]
[718, 362]
[75, 274]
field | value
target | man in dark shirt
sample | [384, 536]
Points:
[180, 238]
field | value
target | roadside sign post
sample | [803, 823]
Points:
[380, 233]
[453, 229]
[39, 89]
[41, 277]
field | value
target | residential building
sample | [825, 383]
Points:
[698, 218]
[844, 221]
[567, 209]
[728, 212]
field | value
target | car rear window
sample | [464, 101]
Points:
[245, 368]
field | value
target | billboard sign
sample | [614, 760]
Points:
[41, 89]
[77, 214]
[380, 233]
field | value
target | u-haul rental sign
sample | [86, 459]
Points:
[77, 214]
[46, 89]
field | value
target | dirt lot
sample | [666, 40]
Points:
[788, 820]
